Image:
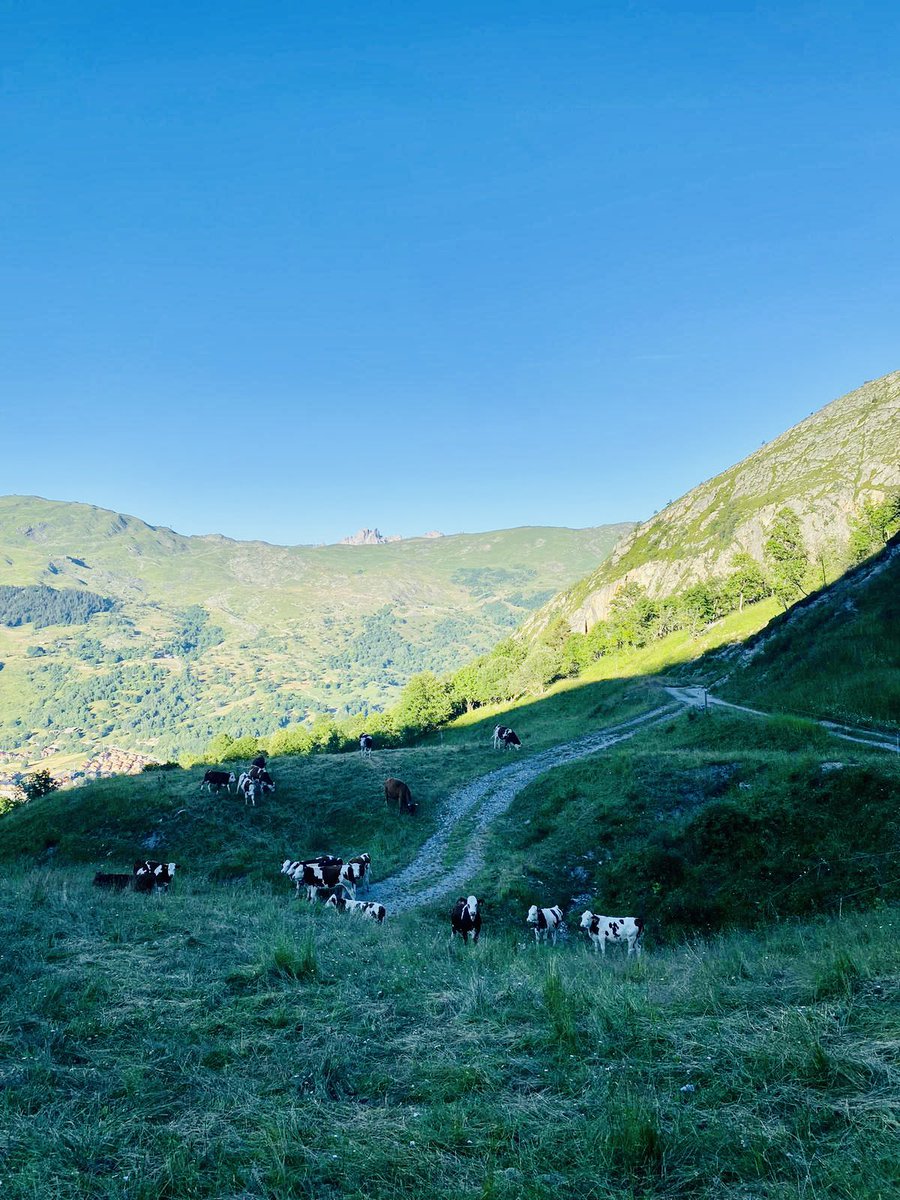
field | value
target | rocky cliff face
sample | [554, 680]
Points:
[822, 468]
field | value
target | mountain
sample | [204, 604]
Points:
[194, 635]
[823, 469]
[368, 537]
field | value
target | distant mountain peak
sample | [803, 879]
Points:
[368, 537]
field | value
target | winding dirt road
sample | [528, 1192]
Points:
[428, 878]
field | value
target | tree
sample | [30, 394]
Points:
[425, 703]
[787, 557]
[746, 583]
[37, 784]
[873, 526]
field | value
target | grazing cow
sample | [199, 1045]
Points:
[252, 789]
[465, 918]
[506, 737]
[546, 922]
[149, 875]
[396, 791]
[116, 883]
[315, 875]
[355, 873]
[213, 780]
[623, 930]
[367, 908]
[366, 745]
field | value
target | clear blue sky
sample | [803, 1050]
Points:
[281, 269]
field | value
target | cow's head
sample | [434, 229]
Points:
[472, 905]
[586, 917]
[532, 915]
[286, 866]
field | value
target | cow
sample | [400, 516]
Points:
[252, 789]
[366, 745]
[149, 875]
[622, 930]
[256, 775]
[506, 737]
[355, 873]
[546, 922]
[367, 908]
[396, 791]
[116, 883]
[214, 780]
[465, 918]
[260, 773]
[315, 875]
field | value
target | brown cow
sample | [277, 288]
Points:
[396, 791]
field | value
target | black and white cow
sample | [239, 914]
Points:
[546, 922]
[315, 875]
[624, 931]
[507, 738]
[214, 780]
[251, 789]
[366, 908]
[366, 745]
[149, 875]
[355, 872]
[260, 773]
[465, 918]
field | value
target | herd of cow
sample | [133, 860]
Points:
[465, 919]
[340, 879]
[252, 784]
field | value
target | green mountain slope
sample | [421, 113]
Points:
[834, 656]
[823, 469]
[209, 633]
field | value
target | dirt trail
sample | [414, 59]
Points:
[698, 697]
[428, 878]
[471, 809]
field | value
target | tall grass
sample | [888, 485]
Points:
[224, 1042]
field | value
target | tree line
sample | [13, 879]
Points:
[39, 605]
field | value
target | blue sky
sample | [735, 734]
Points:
[280, 270]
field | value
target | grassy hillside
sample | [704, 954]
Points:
[835, 656]
[823, 469]
[228, 1043]
[209, 634]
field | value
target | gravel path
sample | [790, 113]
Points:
[696, 697]
[427, 878]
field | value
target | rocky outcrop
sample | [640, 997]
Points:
[823, 468]
[367, 537]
